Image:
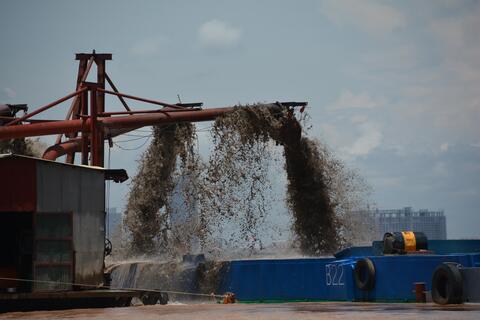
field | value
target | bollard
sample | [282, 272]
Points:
[229, 297]
[420, 293]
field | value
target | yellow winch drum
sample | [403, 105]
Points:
[404, 242]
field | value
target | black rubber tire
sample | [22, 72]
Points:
[150, 298]
[364, 274]
[447, 284]
[164, 298]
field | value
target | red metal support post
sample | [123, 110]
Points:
[100, 107]
[83, 70]
[84, 112]
[94, 154]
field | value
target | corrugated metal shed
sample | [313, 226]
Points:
[67, 204]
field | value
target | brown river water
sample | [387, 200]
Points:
[314, 310]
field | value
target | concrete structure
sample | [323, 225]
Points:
[432, 223]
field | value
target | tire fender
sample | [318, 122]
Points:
[364, 274]
[447, 284]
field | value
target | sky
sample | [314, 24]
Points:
[393, 86]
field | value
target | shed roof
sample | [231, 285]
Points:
[117, 175]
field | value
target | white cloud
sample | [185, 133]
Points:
[369, 139]
[458, 37]
[430, 82]
[374, 17]
[359, 118]
[218, 34]
[10, 92]
[362, 100]
[444, 147]
[148, 46]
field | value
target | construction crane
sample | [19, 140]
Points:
[88, 124]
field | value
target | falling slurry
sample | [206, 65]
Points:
[147, 211]
[315, 225]
[231, 190]
[235, 187]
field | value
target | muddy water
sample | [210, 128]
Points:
[325, 310]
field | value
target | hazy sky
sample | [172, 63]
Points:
[393, 86]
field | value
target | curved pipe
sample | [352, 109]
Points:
[61, 149]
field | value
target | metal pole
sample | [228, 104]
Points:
[94, 154]
[83, 70]
[48, 106]
[80, 78]
[161, 103]
[84, 133]
[100, 108]
[164, 110]
[110, 82]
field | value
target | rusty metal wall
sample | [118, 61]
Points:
[53, 251]
[81, 191]
[17, 187]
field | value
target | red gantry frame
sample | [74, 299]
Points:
[87, 125]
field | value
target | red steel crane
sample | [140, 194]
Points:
[87, 124]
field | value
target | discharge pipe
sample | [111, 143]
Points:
[108, 123]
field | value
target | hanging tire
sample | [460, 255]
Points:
[447, 284]
[150, 298]
[164, 298]
[364, 274]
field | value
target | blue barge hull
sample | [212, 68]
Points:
[333, 278]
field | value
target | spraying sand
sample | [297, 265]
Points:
[26, 147]
[231, 187]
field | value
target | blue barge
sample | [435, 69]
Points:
[333, 279]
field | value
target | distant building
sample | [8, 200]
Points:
[113, 220]
[432, 223]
